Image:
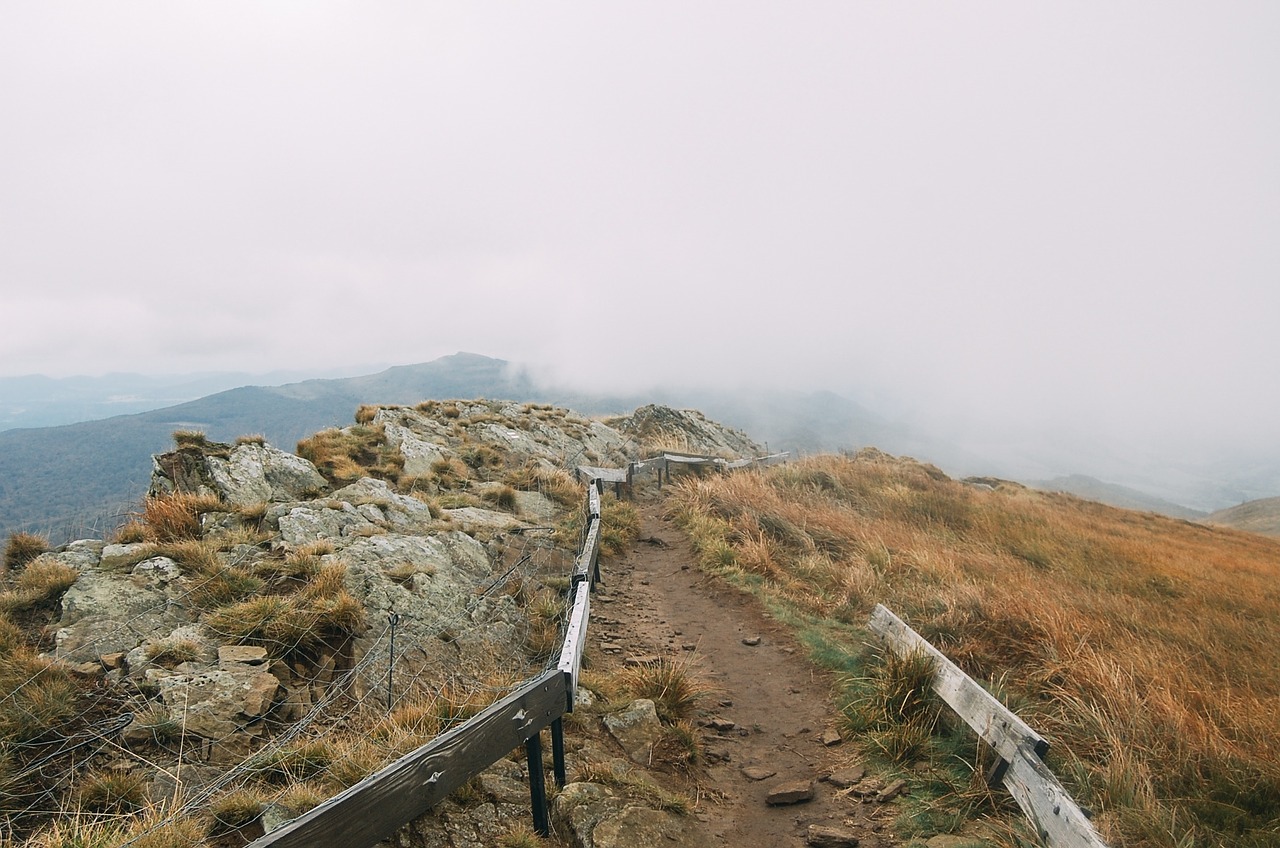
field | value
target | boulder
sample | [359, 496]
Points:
[107, 613]
[224, 706]
[255, 473]
[636, 729]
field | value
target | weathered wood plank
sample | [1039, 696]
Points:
[575, 641]
[587, 557]
[590, 473]
[383, 802]
[1058, 820]
[593, 502]
[990, 719]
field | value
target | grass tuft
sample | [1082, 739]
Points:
[22, 548]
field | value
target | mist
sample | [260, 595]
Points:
[1045, 235]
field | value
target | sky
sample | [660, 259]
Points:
[1002, 215]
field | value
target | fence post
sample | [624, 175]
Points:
[537, 784]
[557, 752]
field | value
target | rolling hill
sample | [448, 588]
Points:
[1260, 516]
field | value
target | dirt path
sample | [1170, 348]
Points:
[655, 601]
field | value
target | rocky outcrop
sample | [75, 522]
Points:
[663, 428]
[595, 816]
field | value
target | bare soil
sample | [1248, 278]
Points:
[655, 601]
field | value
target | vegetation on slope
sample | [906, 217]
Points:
[1142, 646]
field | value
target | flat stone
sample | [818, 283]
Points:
[830, 837]
[751, 641]
[243, 654]
[112, 661]
[642, 659]
[758, 773]
[790, 792]
[893, 790]
[831, 738]
[722, 725]
[844, 778]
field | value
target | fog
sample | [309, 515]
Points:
[1014, 224]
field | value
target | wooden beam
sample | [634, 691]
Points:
[998, 726]
[1058, 820]
[385, 801]
[575, 641]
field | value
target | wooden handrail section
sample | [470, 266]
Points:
[1058, 820]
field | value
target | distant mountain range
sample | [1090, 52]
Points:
[78, 479]
[1092, 489]
[38, 401]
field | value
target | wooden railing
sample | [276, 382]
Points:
[383, 802]
[1058, 820]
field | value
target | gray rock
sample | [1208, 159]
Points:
[790, 792]
[107, 613]
[830, 837]
[640, 827]
[636, 729]
[224, 706]
[257, 473]
[846, 777]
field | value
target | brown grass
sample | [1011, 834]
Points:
[1143, 646]
[22, 548]
[344, 456]
[171, 518]
[41, 582]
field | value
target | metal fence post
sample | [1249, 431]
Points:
[537, 785]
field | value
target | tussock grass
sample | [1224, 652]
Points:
[40, 583]
[22, 548]
[1141, 645]
[321, 613]
[344, 456]
[672, 685]
[40, 696]
[113, 791]
[175, 517]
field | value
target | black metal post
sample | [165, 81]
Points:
[557, 752]
[537, 785]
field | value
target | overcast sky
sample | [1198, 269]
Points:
[1008, 211]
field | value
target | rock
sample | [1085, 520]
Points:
[636, 728]
[867, 787]
[106, 612]
[241, 654]
[893, 790]
[639, 827]
[751, 641]
[113, 661]
[642, 659]
[829, 837]
[758, 773]
[721, 725]
[844, 778]
[593, 817]
[831, 738]
[223, 706]
[790, 792]
[256, 473]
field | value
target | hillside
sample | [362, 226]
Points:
[1260, 516]
[1111, 494]
[1141, 645]
[274, 627]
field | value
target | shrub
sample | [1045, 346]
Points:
[365, 413]
[22, 548]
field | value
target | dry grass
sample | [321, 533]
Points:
[22, 548]
[322, 613]
[39, 584]
[672, 685]
[1143, 646]
[172, 518]
[344, 456]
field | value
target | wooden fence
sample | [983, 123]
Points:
[1058, 820]
[385, 801]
